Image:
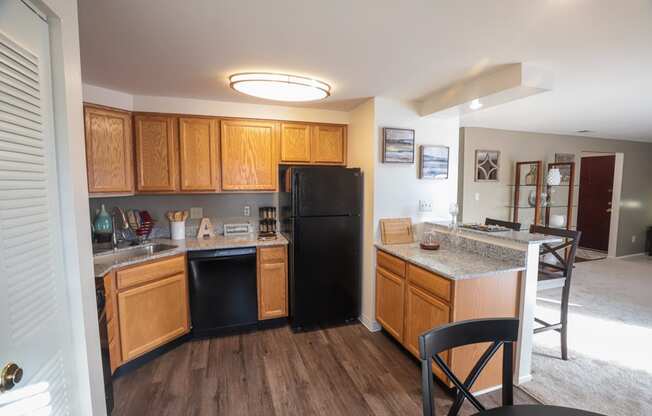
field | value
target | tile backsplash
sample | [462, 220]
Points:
[220, 208]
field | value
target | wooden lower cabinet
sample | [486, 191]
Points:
[390, 302]
[431, 300]
[422, 313]
[149, 311]
[272, 282]
[152, 315]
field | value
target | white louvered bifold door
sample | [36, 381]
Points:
[35, 330]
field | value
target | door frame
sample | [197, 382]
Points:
[615, 196]
[87, 382]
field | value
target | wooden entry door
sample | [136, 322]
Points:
[594, 211]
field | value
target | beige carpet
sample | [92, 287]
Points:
[586, 254]
[610, 341]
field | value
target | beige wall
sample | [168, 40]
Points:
[394, 190]
[119, 99]
[362, 153]
[493, 197]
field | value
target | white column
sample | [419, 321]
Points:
[528, 305]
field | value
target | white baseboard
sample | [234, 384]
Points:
[487, 390]
[632, 255]
[371, 324]
[524, 379]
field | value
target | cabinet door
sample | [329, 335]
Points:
[249, 155]
[295, 143]
[152, 315]
[156, 153]
[198, 150]
[423, 313]
[272, 283]
[329, 145]
[390, 302]
[109, 158]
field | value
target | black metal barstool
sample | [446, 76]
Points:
[499, 331]
[556, 275]
[516, 226]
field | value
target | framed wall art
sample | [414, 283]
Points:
[433, 162]
[487, 165]
[565, 170]
[398, 145]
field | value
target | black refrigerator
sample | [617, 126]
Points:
[320, 213]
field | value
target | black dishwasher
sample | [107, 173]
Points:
[223, 293]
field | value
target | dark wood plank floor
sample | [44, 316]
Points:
[339, 371]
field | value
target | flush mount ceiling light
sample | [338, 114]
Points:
[279, 87]
[475, 104]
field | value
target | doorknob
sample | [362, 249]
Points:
[608, 209]
[10, 376]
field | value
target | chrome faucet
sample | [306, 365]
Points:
[121, 224]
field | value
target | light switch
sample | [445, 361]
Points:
[477, 196]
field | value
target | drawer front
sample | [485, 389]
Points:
[112, 329]
[435, 284]
[274, 254]
[390, 263]
[151, 271]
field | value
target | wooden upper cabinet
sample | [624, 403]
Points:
[295, 143]
[249, 150]
[198, 154]
[329, 145]
[156, 153]
[109, 155]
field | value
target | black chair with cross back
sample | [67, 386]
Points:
[499, 332]
[556, 262]
[516, 226]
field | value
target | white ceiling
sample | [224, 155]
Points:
[600, 52]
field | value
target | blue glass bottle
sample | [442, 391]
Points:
[103, 223]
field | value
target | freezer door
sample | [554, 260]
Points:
[327, 191]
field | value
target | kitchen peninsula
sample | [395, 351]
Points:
[473, 275]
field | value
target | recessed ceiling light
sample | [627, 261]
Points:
[279, 87]
[475, 104]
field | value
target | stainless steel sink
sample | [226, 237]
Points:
[135, 252]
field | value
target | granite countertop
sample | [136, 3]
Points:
[455, 264]
[522, 237]
[106, 262]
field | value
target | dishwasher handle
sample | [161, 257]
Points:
[230, 252]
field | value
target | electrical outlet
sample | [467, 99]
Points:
[196, 213]
[247, 211]
[425, 205]
[633, 239]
